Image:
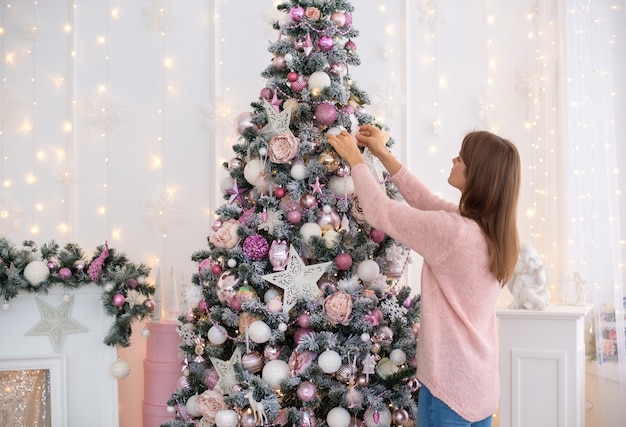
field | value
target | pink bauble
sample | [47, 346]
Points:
[65, 273]
[338, 18]
[190, 316]
[292, 76]
[343, 261]
[348, 109]
[350, 45]
[303, 320]
[216, 269]
[255, 247]
[308, 200]
[296, 13]
[300, 332]
[348, 19]
[203, 306]
[149, 304]
[325, 113]
[267, 93]
[280, 192]
[279, 62]
[235, 304]
[299, 84]
[325, 43]
[343, 170]
[279, 254]
[118, 300]
[294, 216]
[132, 283]
[252, 362]
[339, 69]
[271, 352]
[52, 265]
[235, 164]
[307, 391]
[377, 235]
[329, 220]
[243, 121]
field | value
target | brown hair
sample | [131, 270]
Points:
[493, 174]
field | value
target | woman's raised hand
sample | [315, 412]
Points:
[345, 145]
[373, 138]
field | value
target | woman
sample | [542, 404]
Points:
[469, 252]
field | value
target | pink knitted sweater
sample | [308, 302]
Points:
[457, 351]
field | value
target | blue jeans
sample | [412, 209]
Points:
[432, 412]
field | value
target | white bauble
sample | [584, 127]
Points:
[334, 131]
[226, 418]
[36, 272]
[217, 335]
[120, 369]
[368, 270]
[271, 294]
[319, 80]
[191, 407]
[397, 356]
[252, 171]
[331, 237]
[259, 332]
[309, 230]
[329, 361]
[298, 171]
[226, 183]
[341, 186]
[384, 417]
[275, 372]
[338, 417]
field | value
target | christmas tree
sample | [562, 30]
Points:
[299, 317]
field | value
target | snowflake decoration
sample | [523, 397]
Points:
[162, 211]
[394, 252]
[431, 13]
[274, 219]
[32, 32]
[487, 109]
[436, 126]
[160, 15]
[132, 298]
[66, 178]
[217, 112]
[8, 109]
[105, 113]
[187, 334]
[388, 99]
[531, 84]
[10, 215]
[392, 310]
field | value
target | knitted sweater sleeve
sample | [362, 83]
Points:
[427, 225]
[416, 194]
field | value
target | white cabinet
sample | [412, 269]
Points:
[542, 366]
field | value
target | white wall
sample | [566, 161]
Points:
[130, 113]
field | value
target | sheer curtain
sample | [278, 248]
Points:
[593, 180]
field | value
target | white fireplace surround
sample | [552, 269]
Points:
[55, 364]
[83, 390]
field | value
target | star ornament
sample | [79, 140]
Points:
[56, 322]
[235, 193]
[277, 122]
[226, 371]
[297, 280]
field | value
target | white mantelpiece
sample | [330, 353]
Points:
[542, 366]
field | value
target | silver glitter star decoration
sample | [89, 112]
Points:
[226, 371]
[162, 211]
[56, 322]
[298, 281]
[277, 123]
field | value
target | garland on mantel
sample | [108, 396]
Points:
[33, 270]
